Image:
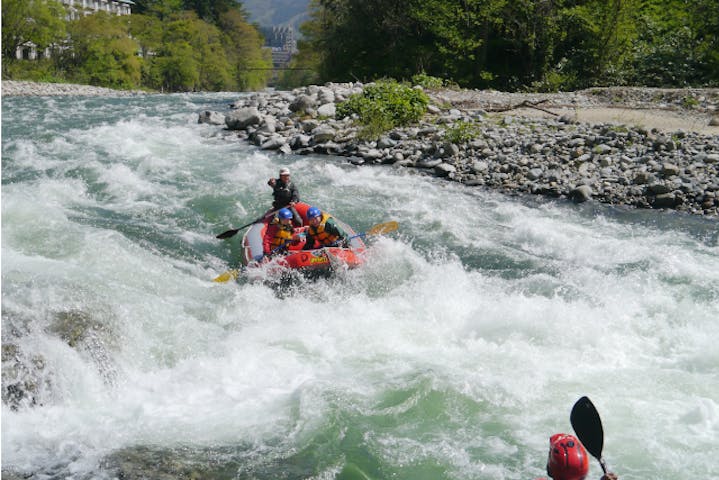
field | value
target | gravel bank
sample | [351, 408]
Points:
[695, 109]
[26, 89]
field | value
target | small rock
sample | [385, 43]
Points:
[581, 194]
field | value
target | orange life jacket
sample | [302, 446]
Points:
[283, 235]
[320, 234]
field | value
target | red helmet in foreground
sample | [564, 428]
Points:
[567, 458]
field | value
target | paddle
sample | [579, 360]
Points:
[233, 274]
[233, 232]
[379, 229]
[588, 427]
[227, 276]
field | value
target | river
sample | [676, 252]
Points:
[454, 352]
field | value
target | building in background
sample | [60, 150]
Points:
[78, 8]
[75, 10]
[283, 44]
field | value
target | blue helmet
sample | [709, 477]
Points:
[285, 213]
[313, 212]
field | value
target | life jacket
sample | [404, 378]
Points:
[283, 235]
[320, 234]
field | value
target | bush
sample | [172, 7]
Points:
[42, 70]
[462, 132]
[427, 81]
[383, 106]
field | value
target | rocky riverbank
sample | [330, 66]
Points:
[517, 143]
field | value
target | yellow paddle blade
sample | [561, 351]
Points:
[227, 276]
[382, 228]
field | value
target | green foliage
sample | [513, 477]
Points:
[186, 53]
[374, 124]
[427, 81]
[166, 47]
[176, 68]
[385, 105]
[523, 44]
[462, 132]
[249, 63]
[543, 45]
[37, 21]
[678, 45]
[102, 53]
[161, 9]
[690, 102]
[42, 70]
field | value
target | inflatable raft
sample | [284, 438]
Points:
[296, 258]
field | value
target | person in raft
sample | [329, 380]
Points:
[323, 231]
[280, 233]
[285, 194]
[568, 460]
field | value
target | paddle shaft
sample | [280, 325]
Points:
[233, 232]
[379, 229]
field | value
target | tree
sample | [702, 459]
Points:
[37, 21]
[211, 10]
[161, 9]
[176, 68]
[215, 71]
[704, 16]
[250, 63]
[101, 52]
[147, 32]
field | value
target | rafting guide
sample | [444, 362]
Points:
[285, 194]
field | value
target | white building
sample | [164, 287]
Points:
[76, 9]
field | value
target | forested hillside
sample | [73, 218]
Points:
[522, 44]
[165, 45]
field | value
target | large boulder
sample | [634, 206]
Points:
[327, 110]
[212, 118]
[243, 118]
[303, 103]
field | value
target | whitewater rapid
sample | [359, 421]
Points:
[454, 352]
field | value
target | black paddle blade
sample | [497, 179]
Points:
[228, 233]
[588, 426]
[233, 232]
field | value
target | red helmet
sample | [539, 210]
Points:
[567, 458]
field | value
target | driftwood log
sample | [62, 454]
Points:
[524, 104]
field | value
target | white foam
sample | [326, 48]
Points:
[503, 311]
